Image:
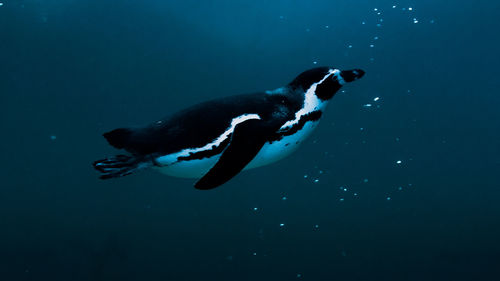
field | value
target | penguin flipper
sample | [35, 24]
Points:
[244, 146]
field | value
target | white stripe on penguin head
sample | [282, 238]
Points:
[341, 80]
[311, 101]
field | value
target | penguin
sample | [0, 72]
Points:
[217, 139]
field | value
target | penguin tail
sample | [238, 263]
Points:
[118, 166]
[118, 138]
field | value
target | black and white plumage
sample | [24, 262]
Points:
[217, 139]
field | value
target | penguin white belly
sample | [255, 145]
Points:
[189, 169]
[277, 150]
[269, 153]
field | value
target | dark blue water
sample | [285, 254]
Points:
[341, 208]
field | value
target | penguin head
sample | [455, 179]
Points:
[352, 75]
[325, 81]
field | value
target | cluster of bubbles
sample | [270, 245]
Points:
[379, 23]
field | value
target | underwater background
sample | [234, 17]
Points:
[399, 181]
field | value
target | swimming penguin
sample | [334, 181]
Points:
[217, 139]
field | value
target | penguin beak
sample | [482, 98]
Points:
[351, 75]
